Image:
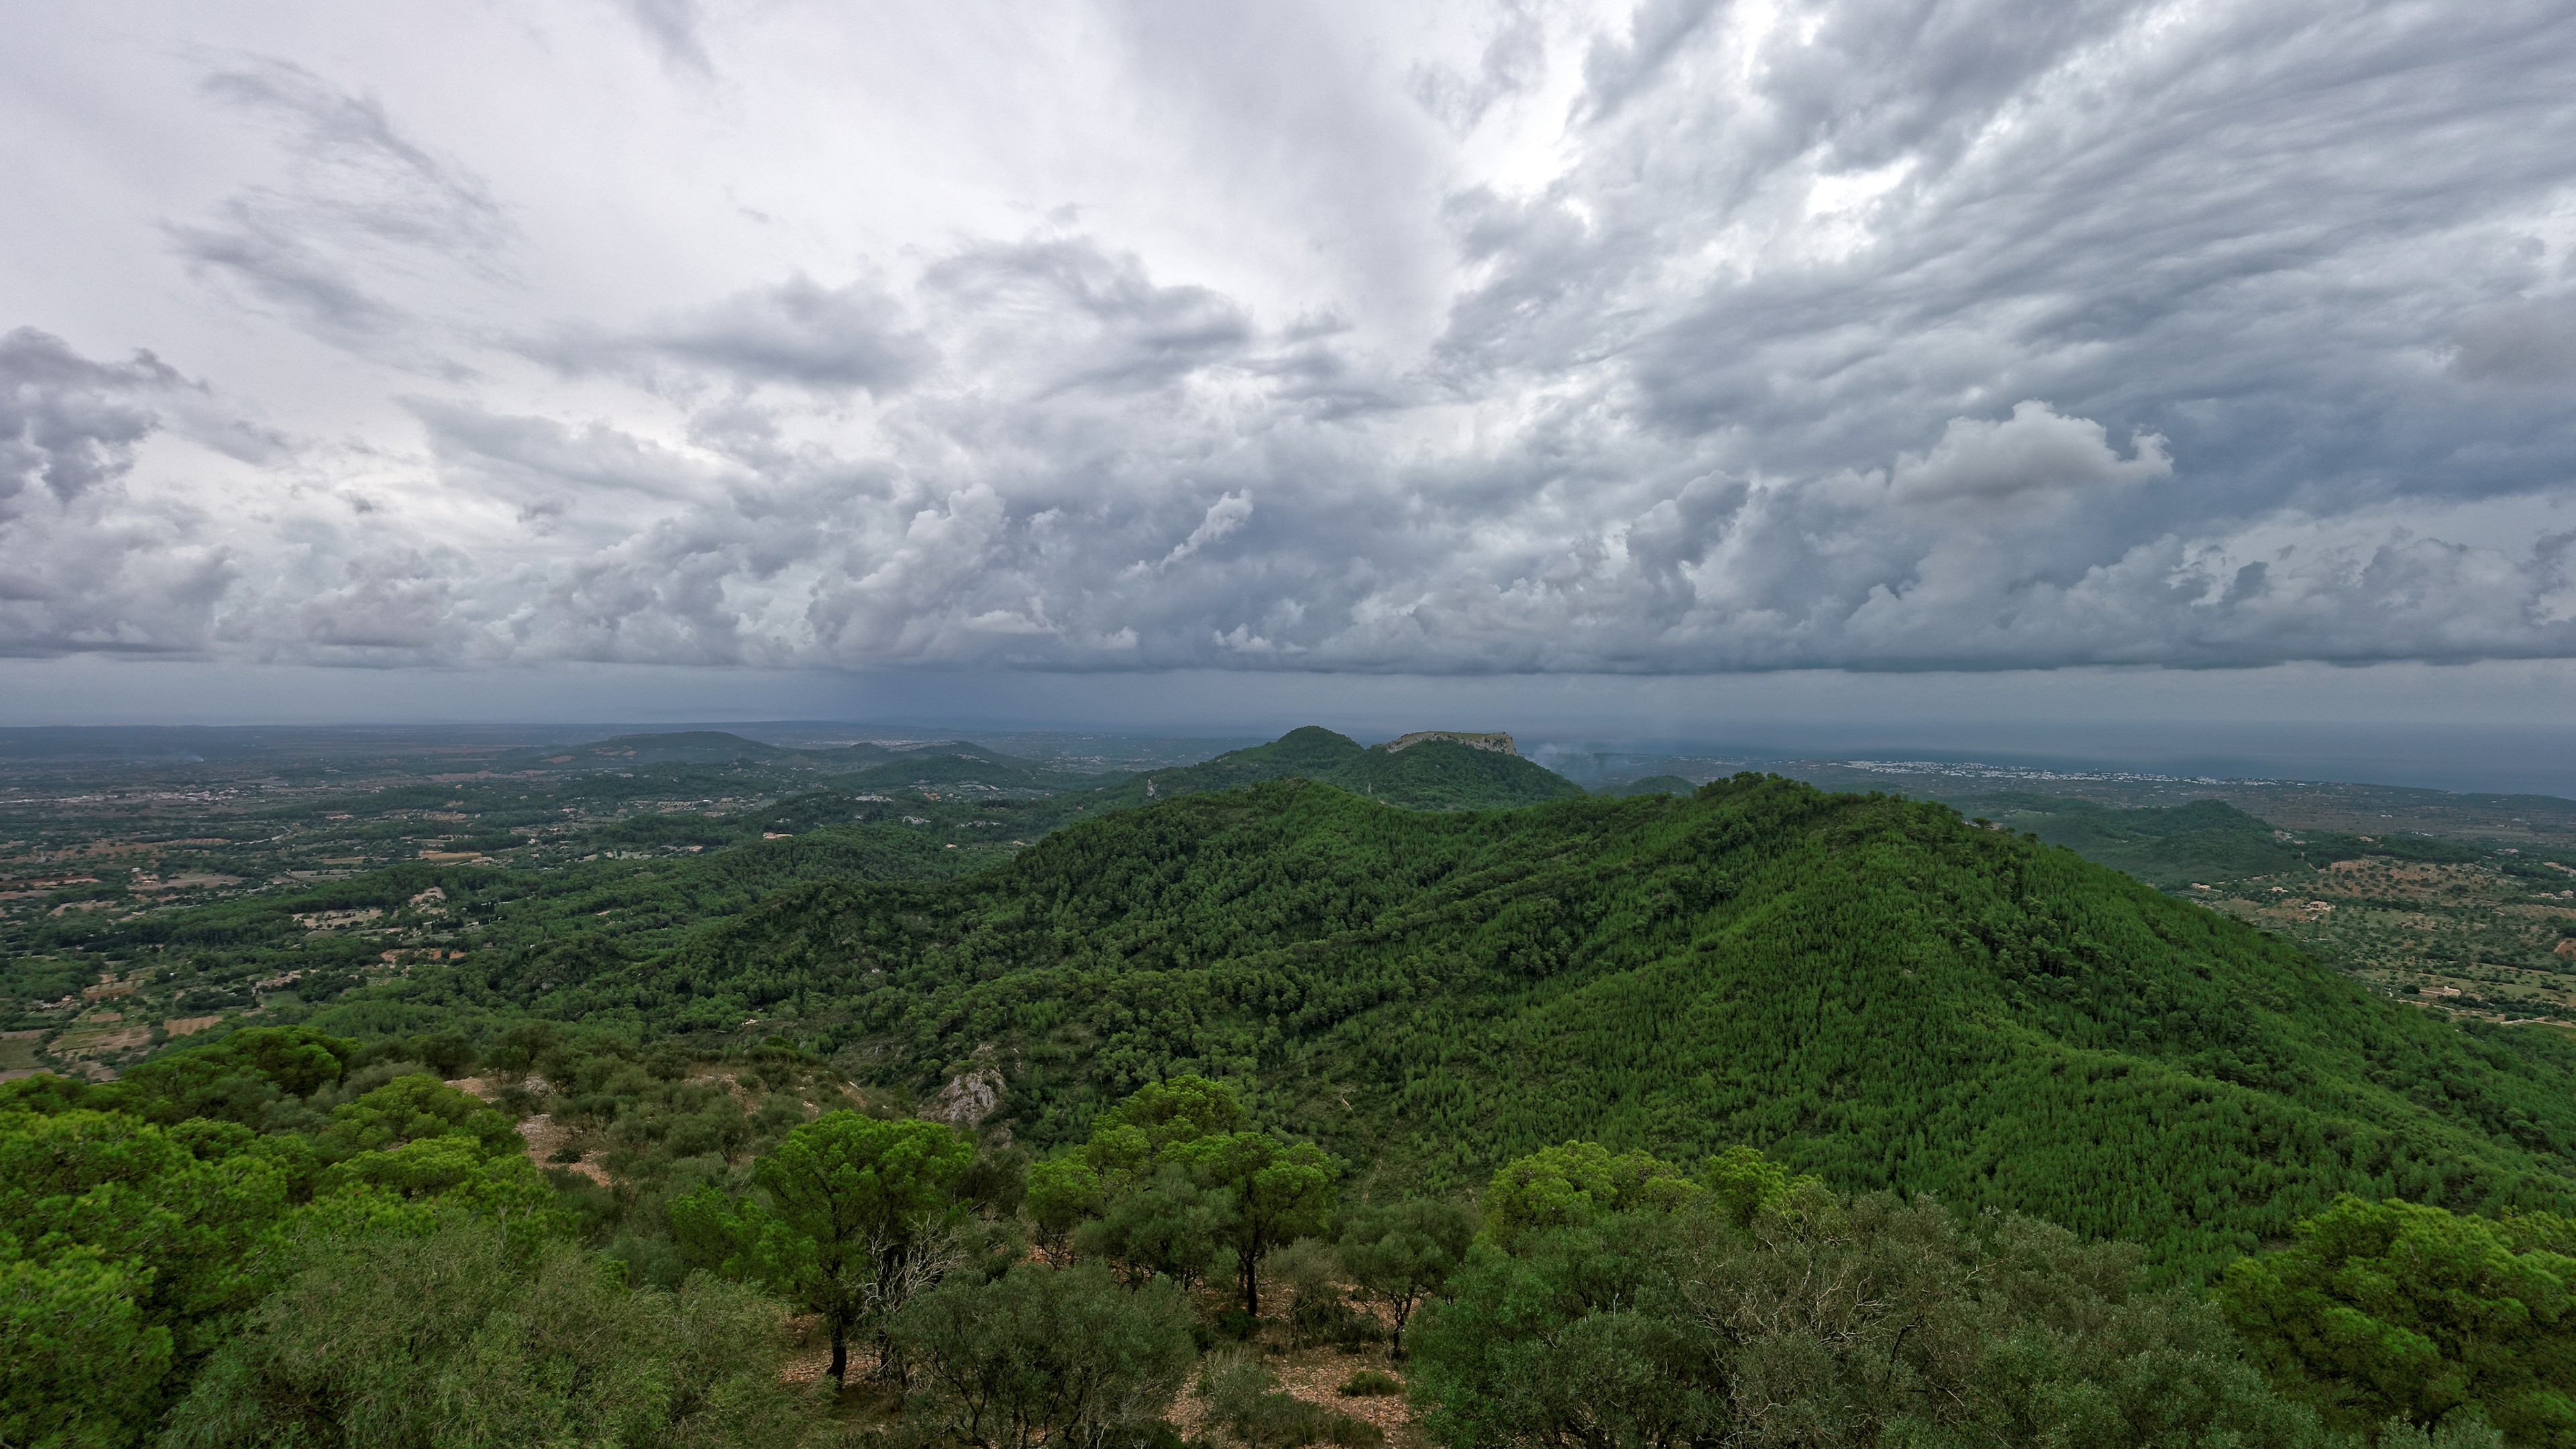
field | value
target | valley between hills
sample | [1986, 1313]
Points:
[1432, 967]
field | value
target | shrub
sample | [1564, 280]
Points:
[1169, 1227]
[1402, 1254]
[1307, 1274]
[473, 1335]
[1046, 1355]
[1243, 1400]
[1874, 1321]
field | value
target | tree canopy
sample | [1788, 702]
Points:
[1403, 1252]
[2397, 1309]
[1175, 1165]
[844, 1209]
[1821, 1320]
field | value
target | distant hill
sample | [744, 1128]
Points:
[864, 756]
[627, 752]
[1431, 770]
[1869, 987]
[945, 767]
[855, 767]
[2205, 840]
[1427, 771]
[2168, 845]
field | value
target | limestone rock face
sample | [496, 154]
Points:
[968, 1099]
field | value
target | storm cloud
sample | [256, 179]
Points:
[1661, 338]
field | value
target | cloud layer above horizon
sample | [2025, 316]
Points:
[1676, 337]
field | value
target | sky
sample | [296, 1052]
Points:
[1629, 366]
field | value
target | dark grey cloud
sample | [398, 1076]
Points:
[1619, 66]
[256, 244]
[364, 211]
[851, 338]
[674, 27]
[540, 465]
[83, 567]
[391, 606]
[1096, 319]
[2529, 340]
[2225, 229]
[68, 424]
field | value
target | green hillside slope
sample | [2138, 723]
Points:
[1652, 785]
[1428, 775]
[1870, 988]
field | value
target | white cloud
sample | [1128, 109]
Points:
[1223, 517]
[2034, 452]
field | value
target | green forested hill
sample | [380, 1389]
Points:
[627, 752]
[1428, 775]
[2168, 845]
[2210, 840]
[1867, 987]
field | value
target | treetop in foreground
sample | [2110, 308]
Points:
[1797, 1316]
[2398, 1309]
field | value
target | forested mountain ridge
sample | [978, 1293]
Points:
[1434, 773]
[1868, 987]
[858, 766]
[443, 898]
